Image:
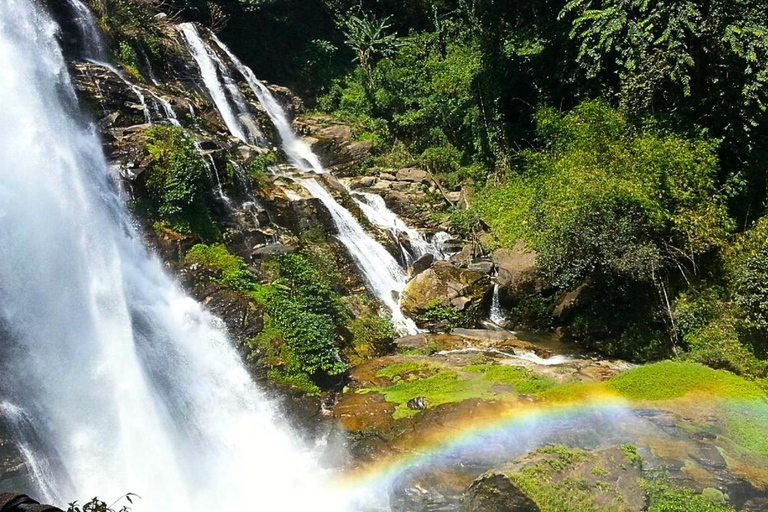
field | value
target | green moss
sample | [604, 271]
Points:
[298, 381]
[397, 370]
[440, 385]
[663, 496]
[661, 381]
[523, 381]
[630, 453]
[232, 268]
[552, 495]
[669, 379]
[746, 423]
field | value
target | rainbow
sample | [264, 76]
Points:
[475, 432]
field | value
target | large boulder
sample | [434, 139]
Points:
[334, 143]
[517, 272]
[496, 493]
[447, 286]
[553, 477]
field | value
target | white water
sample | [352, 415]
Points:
[299, 153]
[375, 209]
[556, 360]
[132, 385]
[497, 315]
[91, 39]
[382, 272]
[240, 123]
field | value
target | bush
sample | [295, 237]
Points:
[176, 183]
[306, 314]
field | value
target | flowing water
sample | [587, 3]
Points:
[497, 314]
[375, 209]
[237, 118]
[91, 40]
[299, 153]
[134, 387]
[382, 272]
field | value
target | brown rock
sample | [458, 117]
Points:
[443, 283]
[517, 272]
[496, 493]
[413, 175]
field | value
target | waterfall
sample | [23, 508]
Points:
[382, 272]
[239, 122]
[91, 39]
[375, 209]
[132, 385]
[497, 315]
[297, 151]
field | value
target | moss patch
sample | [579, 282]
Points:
[669, 379]
[554, 484]
[442, 385]
[746, 423]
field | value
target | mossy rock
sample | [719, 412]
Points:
[559, 479]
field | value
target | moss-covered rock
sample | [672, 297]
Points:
[445, 288]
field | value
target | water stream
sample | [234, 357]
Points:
[383, 274]
[217, 82]
[133, 385]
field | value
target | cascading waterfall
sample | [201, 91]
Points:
[497, 315]
[376, 211]
[382, 272]
[91, 40]
[300, 155]
[133, 386]
[240, 123]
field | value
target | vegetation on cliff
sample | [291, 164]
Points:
[625, 141]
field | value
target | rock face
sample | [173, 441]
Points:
[517, 272]
[447, 286]
[334, 143]
[609, 478]
[497, 493]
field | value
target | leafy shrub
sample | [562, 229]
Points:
[306, 314]
[177, 181]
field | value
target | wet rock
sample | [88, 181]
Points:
[484, 267]
[272, 250]
[422, 264]
[570, 302]
[333, 143]
[364, 182]
[413, 175]
[444, 284]
[417, 404]
[517, 272]
[497, 493]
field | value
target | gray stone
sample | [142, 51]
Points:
[484, 267]
[422, 264]
[413, 174]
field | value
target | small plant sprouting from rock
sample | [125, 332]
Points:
[96, 505]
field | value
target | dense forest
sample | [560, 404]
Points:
[624, 141]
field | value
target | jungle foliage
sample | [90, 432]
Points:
[625, 141]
